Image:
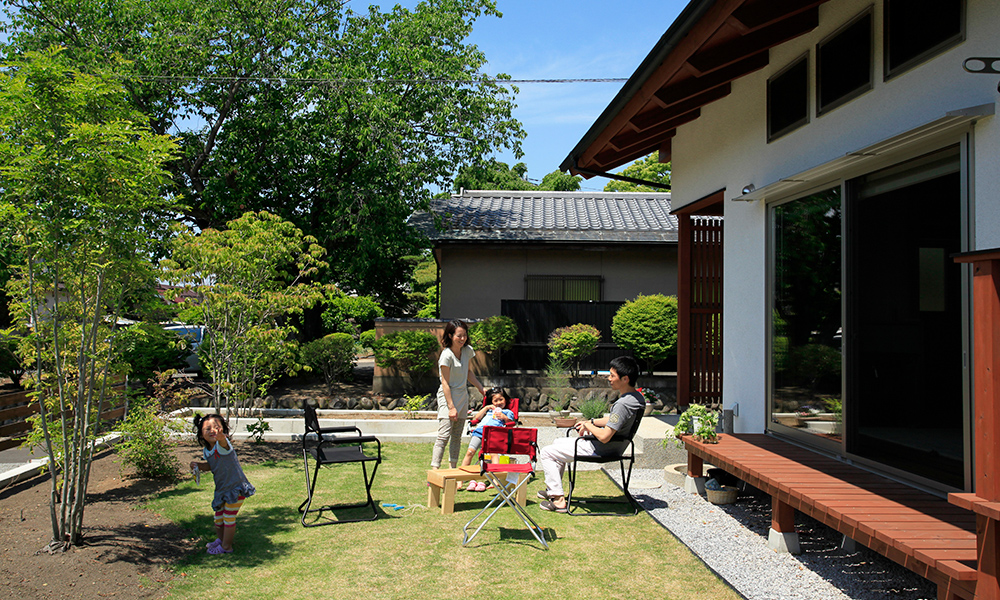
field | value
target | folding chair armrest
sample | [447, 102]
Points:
[344, 429]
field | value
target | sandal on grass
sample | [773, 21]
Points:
[480, 486]
[218, 550]
[472, 486]
[216, 542]
[551, 507]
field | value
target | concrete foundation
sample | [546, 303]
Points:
[783, 542]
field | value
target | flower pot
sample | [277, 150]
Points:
[563, 422]
[648, 410]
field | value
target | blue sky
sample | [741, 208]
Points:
[563, 39]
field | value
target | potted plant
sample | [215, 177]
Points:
[651, 398]
[698, 421]
[593, 408]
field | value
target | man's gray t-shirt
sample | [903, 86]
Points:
[624, 411]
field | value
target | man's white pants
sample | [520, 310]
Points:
[556, 456]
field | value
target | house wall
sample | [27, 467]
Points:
[727, 148]
[474, 281]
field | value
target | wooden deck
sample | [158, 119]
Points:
[921, 531]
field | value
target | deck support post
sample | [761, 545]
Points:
[986, 416]
[694, 483]
[782, 536]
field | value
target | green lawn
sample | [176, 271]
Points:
[417, 552]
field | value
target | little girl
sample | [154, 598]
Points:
[495, 415]
[231, 485]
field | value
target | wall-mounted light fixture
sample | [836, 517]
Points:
[748, 188]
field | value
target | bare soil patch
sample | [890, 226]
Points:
[127, 552]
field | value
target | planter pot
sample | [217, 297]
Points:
[564, 422]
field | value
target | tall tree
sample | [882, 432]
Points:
[646, 169]
[81, 184]
[338, 121]
[492, 174]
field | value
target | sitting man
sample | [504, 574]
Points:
[626, 409]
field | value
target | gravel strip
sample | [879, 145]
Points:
[732, 540]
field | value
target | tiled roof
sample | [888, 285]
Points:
[596, 217]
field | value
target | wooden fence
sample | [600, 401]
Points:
[15, 409]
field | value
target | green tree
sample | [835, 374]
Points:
[345, 314]
[567, 345]
[648, 327]
[248, 279]
[493, 336]
[336, 120]
[646, 169]
[492, 174]
[81, 183]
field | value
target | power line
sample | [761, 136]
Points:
[365, 81]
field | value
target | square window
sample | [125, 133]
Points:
[788, 99]
[916, 30]
[844, 64]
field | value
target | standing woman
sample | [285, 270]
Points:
[453, 395]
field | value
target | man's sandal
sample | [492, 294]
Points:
[551, 507]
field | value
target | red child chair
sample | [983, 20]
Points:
[512, 441]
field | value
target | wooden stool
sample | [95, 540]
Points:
[448, 480]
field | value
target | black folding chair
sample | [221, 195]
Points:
[627, 455]
[511, 441]
[333, 446]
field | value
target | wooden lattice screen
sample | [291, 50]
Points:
[700, 298]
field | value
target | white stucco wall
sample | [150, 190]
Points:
[727, 148]
[474, 281]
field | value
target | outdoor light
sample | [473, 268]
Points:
[748, 188]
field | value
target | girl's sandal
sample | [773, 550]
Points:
[213, 543]
[218, 550]
[480, 486]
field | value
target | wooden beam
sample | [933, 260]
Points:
[739, 48]
[678, 92]
[655, 118]
[629, 141]
[754, 15]
[675, 61]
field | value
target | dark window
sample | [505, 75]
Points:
[844, 64]
[916, 30]
[559, 287]
[788, 99]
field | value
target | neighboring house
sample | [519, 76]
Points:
[851, 157]
[550, 259]
[589, 246]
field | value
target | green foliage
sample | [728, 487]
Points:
[423, 295]
[148, 348]
[81, 184]
[407, 351]
[647, 169]
[258, 428]
[648, 327]
[430, 308]
[414, 403]
[345, 313]
[146, 446]
[708, 421]
[367, 339]
[170, 394]
[314, 112]
[248, 278]
[815, 366]
[570, 344]
[493, 336]
[333, 356]
[10, 362]
[496, 175]
[593, 408]
[557, 378]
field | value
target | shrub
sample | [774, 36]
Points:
[149, 348]
[647, 326]
[569, 344]
[815, 366]
[146, 446]
[407, 351]
[343, 313]
[494, 336]
[593, 408]
[414, 403]
[708, 420]
[332, 355]
[367, 339]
